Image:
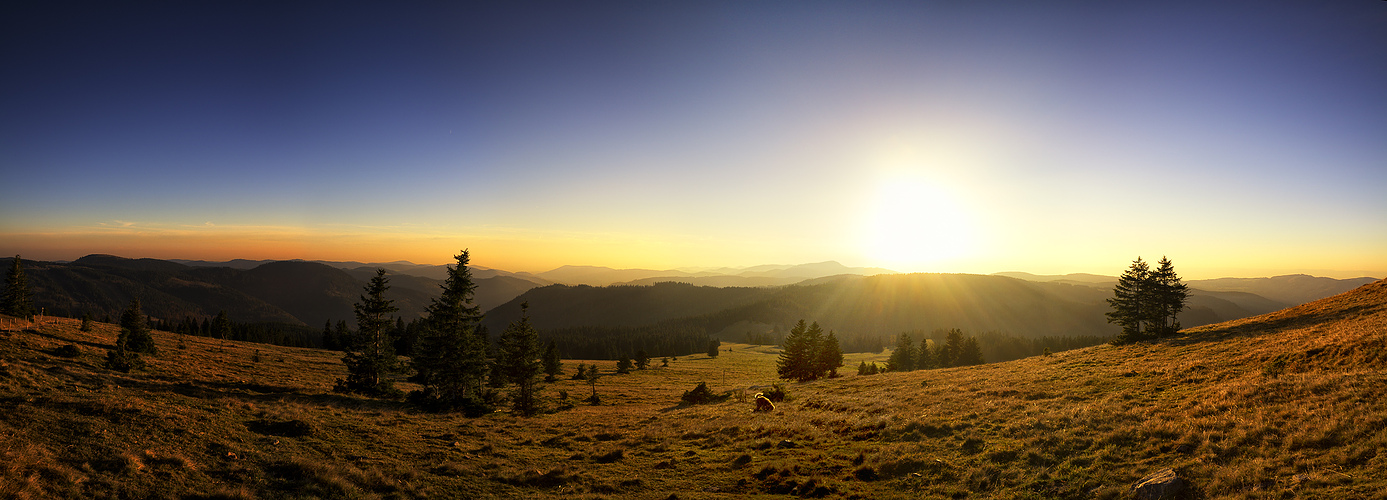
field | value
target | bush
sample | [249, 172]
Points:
[702, 395]
[123, 360]
[776, 394]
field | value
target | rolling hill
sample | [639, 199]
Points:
[857, 305]
[1291, 404]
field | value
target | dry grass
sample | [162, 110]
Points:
[1288, 405]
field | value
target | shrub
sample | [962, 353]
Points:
[67, 351]
[702, 395]
[776, 394]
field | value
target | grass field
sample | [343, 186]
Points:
[1287, 405]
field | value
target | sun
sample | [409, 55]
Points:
[914, 224]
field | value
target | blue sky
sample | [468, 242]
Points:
[1243, 138]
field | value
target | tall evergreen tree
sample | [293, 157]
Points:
[451, 354]
[829, 357]
[1132, 303]
[518, 355]
[903, 355]
[221, 328]
[714, 348]
[370, 359]
[952, 352]
[643, 359]
[553, 367]
[329, 338]
[924, 356]
[1168, 298]
[18, 300]
[623, 365]
[797, 355]
[135, 329]
[970, 354]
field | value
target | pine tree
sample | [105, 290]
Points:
[581, 374]
[1168, 298]
[451, 358]
[952, 352]
[1132, 303]
[970, 354]
[518, 355]
[714, 348]
[799, 353]
[903, 355]
[829, 357]
[329, 339]
[370, 359]
[643, 359]
[623, 365]
[86, 323]
[18, 300]
[553, 367]
[136, 330]
[221, 328]
[924, 356]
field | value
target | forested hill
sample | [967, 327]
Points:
[882, 304]
[855, 306]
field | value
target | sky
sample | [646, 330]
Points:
[1236, 138]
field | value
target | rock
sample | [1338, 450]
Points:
[786, 443]
[1164, 484]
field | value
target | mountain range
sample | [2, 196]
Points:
[727, 302]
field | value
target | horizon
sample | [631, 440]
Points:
[1240, 140]
[692, 269]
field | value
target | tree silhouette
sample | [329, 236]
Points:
[1168, 295]
[451, 354]
[829, 357]
[518, 356]
[1145, 303]
[17, 300]
[135, 329]
[553, 367]
[370, 359]
[903, 355]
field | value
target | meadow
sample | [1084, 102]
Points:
[1292, 404]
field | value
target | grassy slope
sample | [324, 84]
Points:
[1287, 405]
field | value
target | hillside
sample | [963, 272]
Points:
[852, 305]
[1288, 404]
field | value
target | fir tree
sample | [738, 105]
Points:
[623, 365]
[951, 354]
[329, 338]
[829, 357]
[714, 348]
[970, 354]
[86, 323]
[221, 328]
[553, 367]
[17, 300]
[903, 355]
[518, 355]
[581, 374]
[136, 330]
[451, 357]
[1133, 304]
[1168, 296]
[797, 353]
[370, 359]
[122, 358]
[924, 356]
[642, 360]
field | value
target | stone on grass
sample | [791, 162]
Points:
[1163, 484]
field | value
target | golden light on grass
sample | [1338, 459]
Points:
[1290, 404]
